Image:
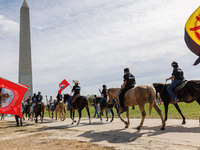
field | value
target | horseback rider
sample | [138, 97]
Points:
[36, 99]
[28, 101]
[59, 98]
[49, 102]
[103, 93]
[177, 77]
[129, 82]
[39, 97]
[76, 90]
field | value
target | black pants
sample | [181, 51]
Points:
[121, 95]
[17, 120]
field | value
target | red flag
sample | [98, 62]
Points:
[63, 85]
[11, 95]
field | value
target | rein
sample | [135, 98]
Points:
[163, 87]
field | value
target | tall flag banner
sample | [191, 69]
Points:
[63, 85]
[192, 33]
[11, 95]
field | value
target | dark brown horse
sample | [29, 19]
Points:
[107, 106]
[39, 110]
[187, 94]
[79, 104]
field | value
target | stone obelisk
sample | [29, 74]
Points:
[25, 62]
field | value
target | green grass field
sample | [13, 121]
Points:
[190, 111]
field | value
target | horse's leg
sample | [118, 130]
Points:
[80, 114]
[106, 115]
[64, 117]
[166, 104]
[49, 114]
[179, 110]
[72, 112]
[112, 115]
[56, 114]
[127, 115]
[160, 114]
[143, 115]
[100, 115]
[88, 111]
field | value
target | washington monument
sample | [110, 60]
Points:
[25, 62]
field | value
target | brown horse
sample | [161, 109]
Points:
[189, 93]
[79, 104]
[61, 108]
[39, 109]
[139, 95]
[107, 106]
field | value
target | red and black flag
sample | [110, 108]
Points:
[192, 33]
[11, 95]
[63, 85]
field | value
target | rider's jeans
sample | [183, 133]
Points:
[171, 87]
[69, 101]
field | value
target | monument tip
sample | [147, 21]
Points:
[25, 4]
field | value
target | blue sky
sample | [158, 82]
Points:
[93, 41]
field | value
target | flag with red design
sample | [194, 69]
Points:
[192, 33]
[63, 85]
[11, 95]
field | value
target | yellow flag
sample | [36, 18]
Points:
[192, 33]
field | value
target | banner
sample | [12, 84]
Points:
[192, 33]
[63, 85]
[11, 95]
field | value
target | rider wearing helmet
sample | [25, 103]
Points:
[177, 77]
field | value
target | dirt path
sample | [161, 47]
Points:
[100, 135]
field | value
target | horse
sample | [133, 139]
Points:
[26, 111]
[50, 109]
[139, 95]
[39, 109]
[107, 106]
[61, 108]
[79, 104]
[188, 94]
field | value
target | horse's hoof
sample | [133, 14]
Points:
[162, 128]
[126, 123]
[138, 128]
[184, 122]
[126, 126]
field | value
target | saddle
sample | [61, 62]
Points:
[74, 99]
[181, 85]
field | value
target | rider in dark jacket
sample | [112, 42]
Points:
[76, 90]
[59, 98]
[177, 77]
[129, 82]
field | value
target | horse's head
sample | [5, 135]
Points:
[113, 93]
[66, 97]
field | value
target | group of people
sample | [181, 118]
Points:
[128, 83]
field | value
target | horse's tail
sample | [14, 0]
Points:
[152, 97]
